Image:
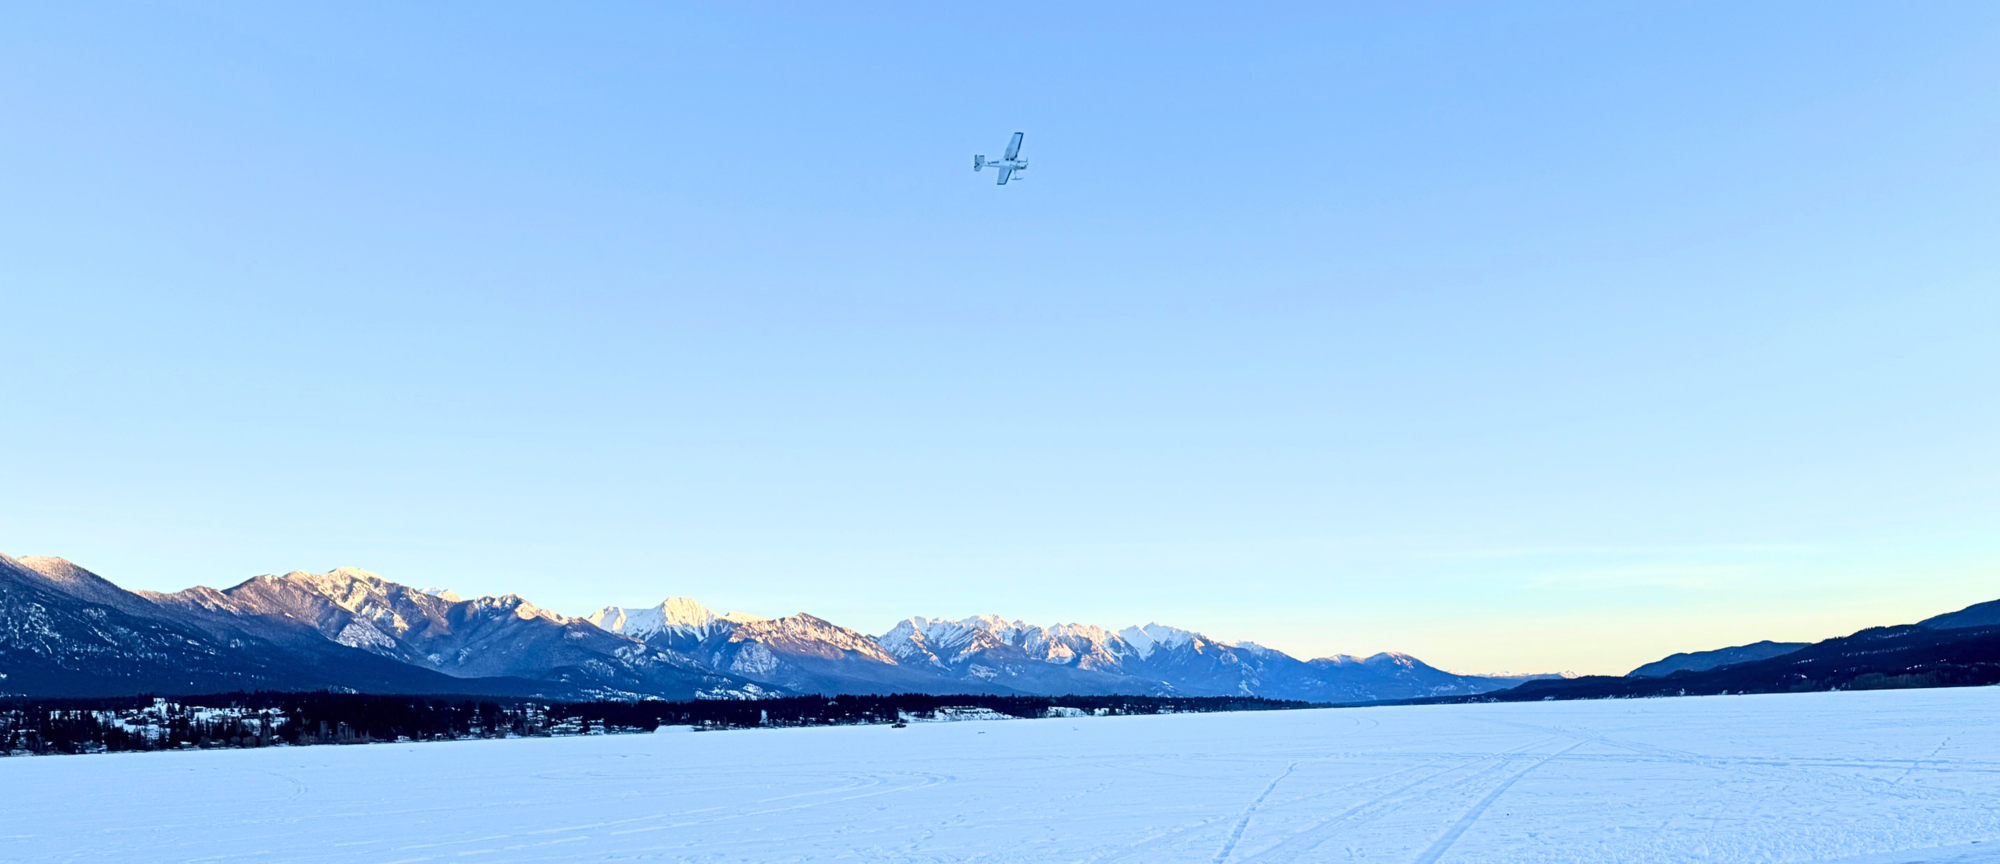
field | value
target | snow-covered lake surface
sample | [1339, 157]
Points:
[1865, 778]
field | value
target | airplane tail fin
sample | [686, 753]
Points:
[978, 162]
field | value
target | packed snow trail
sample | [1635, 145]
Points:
[1889, 777]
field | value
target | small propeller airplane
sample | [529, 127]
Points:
[1007, 164]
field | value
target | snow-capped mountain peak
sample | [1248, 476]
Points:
[947, 643]
[1155, 636]
[679, 612]
[678, 622]
[919, 636]
[684, 612]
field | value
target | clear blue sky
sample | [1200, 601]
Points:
[1515, 336]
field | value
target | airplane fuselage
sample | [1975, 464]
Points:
[1013, 164]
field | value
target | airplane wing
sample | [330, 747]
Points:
[1005, 172]
[1014, 146]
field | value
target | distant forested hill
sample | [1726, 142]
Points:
[1873, 659]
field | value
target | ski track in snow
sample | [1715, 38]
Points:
[1888, 777]
[1229, 845]
[1457, 829]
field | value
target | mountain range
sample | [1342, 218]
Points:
[65, 631]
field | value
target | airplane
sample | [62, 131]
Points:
[1008, 164]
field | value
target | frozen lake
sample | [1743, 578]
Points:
[1866, 778]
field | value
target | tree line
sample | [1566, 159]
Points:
[263, 719]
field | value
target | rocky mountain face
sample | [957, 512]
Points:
[805, 654]
[350, 629]
[988, 651]
[990, 654]
[1157, 659]
[55, 642]
[65, 627]
[484, 637]
[65, 631]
